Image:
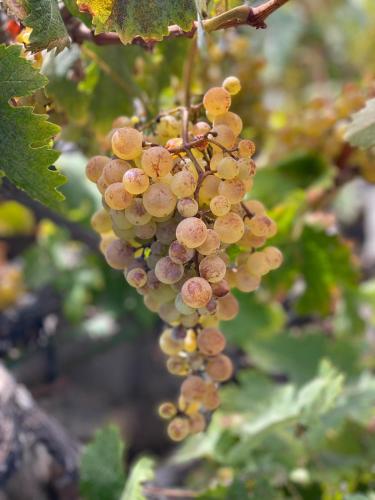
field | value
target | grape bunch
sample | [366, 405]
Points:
[173, 204]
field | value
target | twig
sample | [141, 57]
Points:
[9, 191]
[243, 15]
[249, 214]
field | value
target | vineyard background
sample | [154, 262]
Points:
[297, 419]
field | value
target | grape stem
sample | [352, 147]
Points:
[249, 214]
[226, 150]
[243, 15]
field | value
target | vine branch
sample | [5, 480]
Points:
[244, 15]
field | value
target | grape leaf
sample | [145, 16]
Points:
[25, 154]
[102, 474]
[361, 131]
[142, 471]
[144, 18]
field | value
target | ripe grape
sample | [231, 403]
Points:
[136, 277]
[157, 161]
[187, 207]
[246, 148]
[136, 213]
[196, 292]
[219, 368]
[220, 289]
[246, 281]
[216, 101]
[119, 254]
[169, 344]
[233, 189]
[167, 271]
[167, 410]
[114, 171]
[191, 232]
[211, 341]
[220, 205]
[193, 388]
[227, 168]
[260, 225]
[178, 428]
[231, 120]
[179, 253]
[159, 200]
[274, 257]
[197, 423]
[212, 268]
[101, 221]
[135, 181]
[127, 143]
[224, 136]
[183, 184]
[211, 243]
[257, 263]
[117, 197]
[227, 307]
[95, 167]
[232, 85]
[229, 227]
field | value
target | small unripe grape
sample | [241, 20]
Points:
[146, 231]
[224, 136]
[231, 120]
[227, 307]
[190, 341]
[227, 168]
[219, 368]
[169, 344]
[197, 423]
[260, 225]
[258, 264]
[136, 277]
[212, 268]
[211, 244]
[159, 200]
[127, 143]
[196, 292]
[220, 205]
[178, 429]
[114, 171]
[211, 399]
[167, 271]
[179, 253]
[167, 410]
[193, 388]
[216, 101]
[211, 341]
[157, 161]
[201, 128]
[183, 184]
[208, 189]
[246, 281]
[274, 257]
[136, 181]
[95, 167]
[187, 207]
[220, 289]
[229, 227]
[117, 197]
[119, 254]
[232, 85]
[246, 148]
[191, 232]
[178, 366]
[233, 189]
[136, 213]
[101, 221]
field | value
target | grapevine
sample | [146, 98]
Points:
[174, 205]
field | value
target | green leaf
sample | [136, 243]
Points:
[361, 131]
[236, 491]
[142, 471]
[25, 154]
[48, 28]
[102, 470]
[144, 18]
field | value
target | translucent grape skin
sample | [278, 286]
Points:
[216, 101]
[187, 207]
[167, 410]
[157, 161]
[135, 181]
[196, 292]
[178, 428]
[193, 388]
[191, 232]
[229, 227]
[119, 254]
[114, 170]
[95, 167]
[179, 253]
[127, 143]
[211, 243]
[227, 307]
[159, 200]
[117, 197]
[232, 85]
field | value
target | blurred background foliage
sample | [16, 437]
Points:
[298, 419]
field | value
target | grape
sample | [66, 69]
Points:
[181, 306]
[274, 257]
[119, 254]
[136, 213]
[151, 303]
[157, 161]
[179, 253]
[219, 368]
[178, 366]
[196, 292]
[127, 143]
[229, 227]
[220, 205]
[246, 281]
[257, 263]
[211, 341]
[233, 189]
[187, 207]
[220, 289]
[119, 219]
[136, 181]
[167, 410]
[193, 388]
[215, 160]
[246, 148]
[114, 171]
[209, 189]
[201, 128]
[197, 423]
[169, 314]
[183, 184]
[101, 221]
[227, 168]
[116, 197]
[191, 232]
[190, 341]
[169, 344]
[167, 271]
[216, 101]
[102, 184]
[246, 169]
[231, 120]
[212, 268]
[166, 231]
[146, 231]
[178, 428]
[224, 136]
[227, 307]
[232, 85]
[211, 399]
[211, 243]
[249, 240]
[136, 277]
[260, 225]
[159, 200]
[255, 207]
[95, 167]
[122, 121]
